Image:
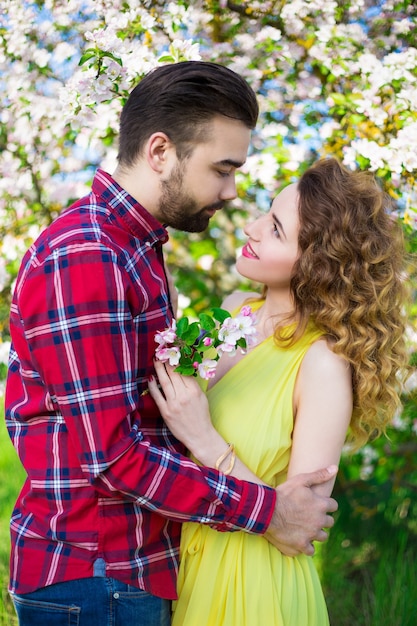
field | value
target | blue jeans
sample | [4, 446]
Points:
[94, 601]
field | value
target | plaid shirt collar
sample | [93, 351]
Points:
[139, 221]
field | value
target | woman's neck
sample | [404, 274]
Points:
[275, 310]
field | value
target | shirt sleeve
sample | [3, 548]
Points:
[81, 331]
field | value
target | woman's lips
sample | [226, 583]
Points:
[248, 252]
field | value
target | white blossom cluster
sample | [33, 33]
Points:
[47, 95]
[324, 85]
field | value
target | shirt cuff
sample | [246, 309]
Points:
[254, 511]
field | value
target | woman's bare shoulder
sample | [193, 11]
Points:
[237, 298]
[322, 370]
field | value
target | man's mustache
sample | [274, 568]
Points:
[216, 206]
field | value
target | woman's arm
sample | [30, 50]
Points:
[323, 409]
[184, 407]
[322, 405]
[300, 513]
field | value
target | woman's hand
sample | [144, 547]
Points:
[185, 409]
[183, 405]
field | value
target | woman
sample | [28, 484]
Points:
[329, 349]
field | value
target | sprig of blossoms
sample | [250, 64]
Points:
[194, 348]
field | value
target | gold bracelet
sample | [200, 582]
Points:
[223, 457]
[231, 464]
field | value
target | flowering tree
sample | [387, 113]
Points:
[332, 76]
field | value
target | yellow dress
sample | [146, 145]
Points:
[234, 578]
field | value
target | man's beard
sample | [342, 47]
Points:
[180, 210]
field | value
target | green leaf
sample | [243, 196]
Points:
[186, 370]
[187, 350]
[182, 326]
[111, 56]
[338, 98]
[185, 360]
[203, 348]
[88, 54]
[167, 58]
[191, 334]
[207, 322]
[220, 314]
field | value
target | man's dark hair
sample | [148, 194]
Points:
[179, 100]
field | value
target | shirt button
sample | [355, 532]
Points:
[116, 595]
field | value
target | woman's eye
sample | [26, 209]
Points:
[224, 174]
[276, 231]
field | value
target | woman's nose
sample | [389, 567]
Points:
[252, 228]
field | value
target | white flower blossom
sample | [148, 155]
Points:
[4, 352]
[369, 458]
[189, 50]
[167, 336]
[207, 369]
[171, 354]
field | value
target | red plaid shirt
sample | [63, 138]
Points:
[107, 481]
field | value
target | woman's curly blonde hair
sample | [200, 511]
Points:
[349, 280]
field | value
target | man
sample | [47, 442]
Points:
[96, 528]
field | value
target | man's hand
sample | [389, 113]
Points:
[301, 514]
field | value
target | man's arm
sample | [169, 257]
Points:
[80, 338]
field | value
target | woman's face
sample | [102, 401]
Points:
[272, 247]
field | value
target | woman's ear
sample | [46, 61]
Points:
[159, 152]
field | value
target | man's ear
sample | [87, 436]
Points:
[159, 151]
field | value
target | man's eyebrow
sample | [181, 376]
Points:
[229, 163]
[279, 225]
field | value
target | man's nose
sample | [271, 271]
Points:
[228, 191]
